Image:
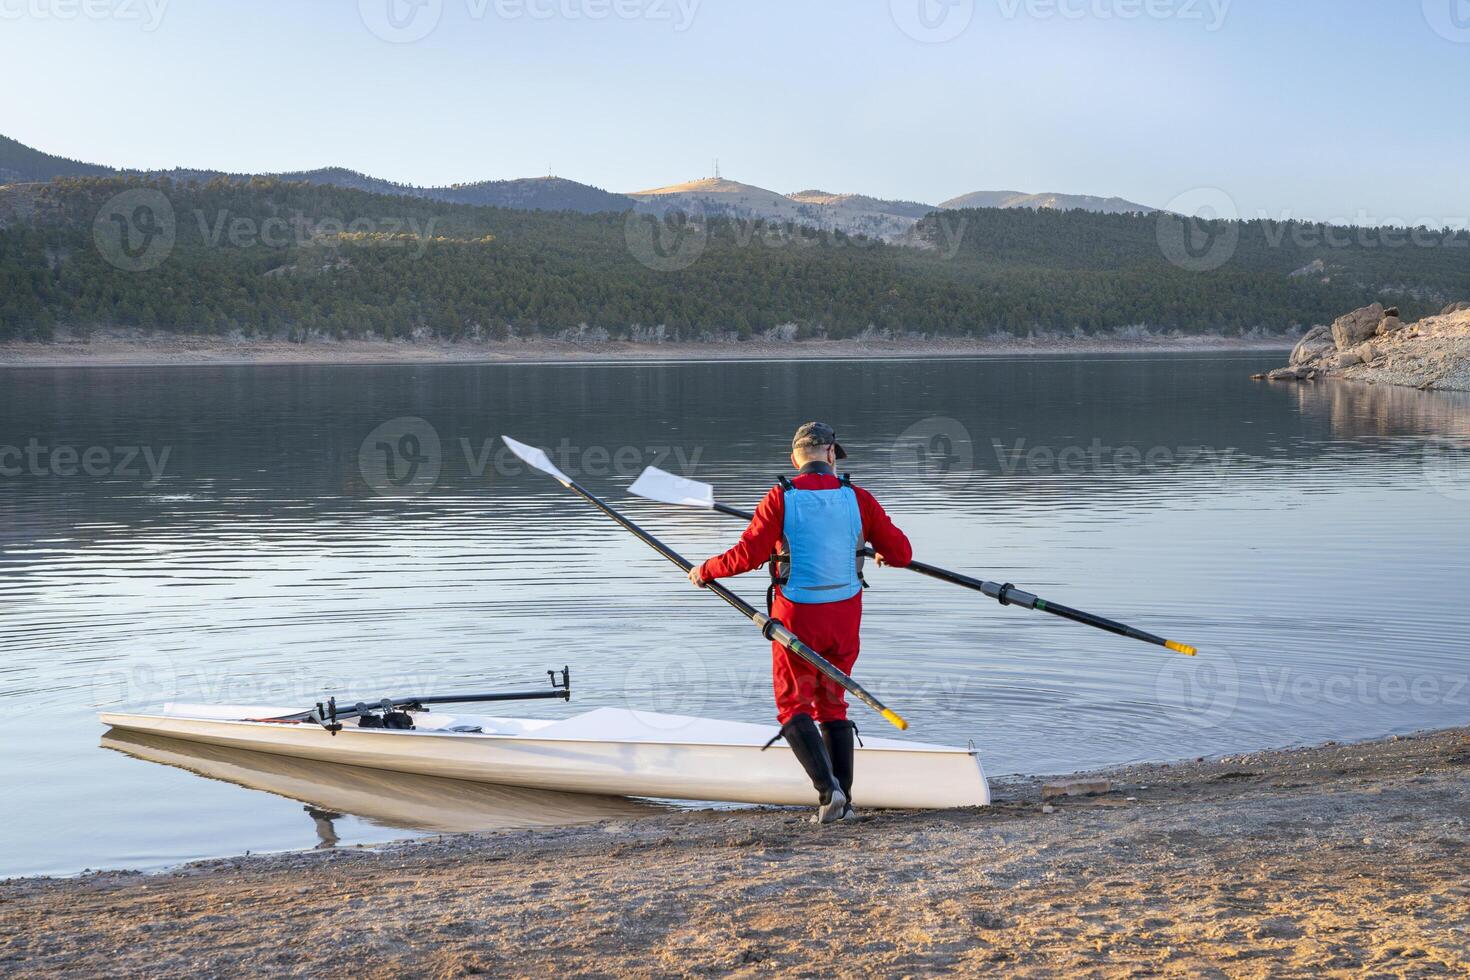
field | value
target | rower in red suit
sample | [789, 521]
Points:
[811, 528]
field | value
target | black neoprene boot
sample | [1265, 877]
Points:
[839, 737]
[811, 751]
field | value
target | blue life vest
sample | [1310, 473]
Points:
[822, 534]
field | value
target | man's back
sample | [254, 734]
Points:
[763, 534]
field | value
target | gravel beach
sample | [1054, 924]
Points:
[1337, 860]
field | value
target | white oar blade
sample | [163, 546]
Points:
[656, 484]
[536, 459]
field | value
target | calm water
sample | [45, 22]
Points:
[305, 534]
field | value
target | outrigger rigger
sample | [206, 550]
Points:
[396, 712]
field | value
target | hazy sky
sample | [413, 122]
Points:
[1310, 108]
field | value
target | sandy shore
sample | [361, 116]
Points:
[163, 350]
[1338, 860]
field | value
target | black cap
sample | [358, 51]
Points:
[817, 434]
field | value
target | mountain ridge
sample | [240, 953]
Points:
[1050, 200]
[847, 213]
[22, 164]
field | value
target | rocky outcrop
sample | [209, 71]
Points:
[1375, 345]
[1357, 326]
[1314, 268]
[1316, 342]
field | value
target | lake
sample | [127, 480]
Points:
[270, 535]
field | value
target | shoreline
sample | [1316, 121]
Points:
[173, 350]
[1373, 345]
[1351, 857]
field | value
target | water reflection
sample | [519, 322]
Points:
[1355, 410]
[325, 821]
[1293, 532]
[389, 799]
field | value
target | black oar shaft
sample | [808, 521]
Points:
[772, 629]
[1009, 595]
[1100, 622]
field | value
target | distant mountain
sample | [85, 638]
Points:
[907, 209]
[22, 164]
[1051, 202]
[523, 194]
[716, 192]
[350, 179]
[19, 163]
[324, 176]
[891, 221]
[536, 194]
[853, 214]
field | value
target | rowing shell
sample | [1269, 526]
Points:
[607, 751]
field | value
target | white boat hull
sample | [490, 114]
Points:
[608, 751]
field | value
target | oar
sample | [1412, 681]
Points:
[656, 484]
[771, 629]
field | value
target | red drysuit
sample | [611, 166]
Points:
[830, 628]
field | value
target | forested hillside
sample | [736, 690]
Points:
[1079, 239]
[525, 193]
[21, 162]
[292, 259]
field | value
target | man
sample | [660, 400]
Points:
[820, 523]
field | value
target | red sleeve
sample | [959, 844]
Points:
[882, 533]
[755, 545]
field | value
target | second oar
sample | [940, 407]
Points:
[664, 487]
